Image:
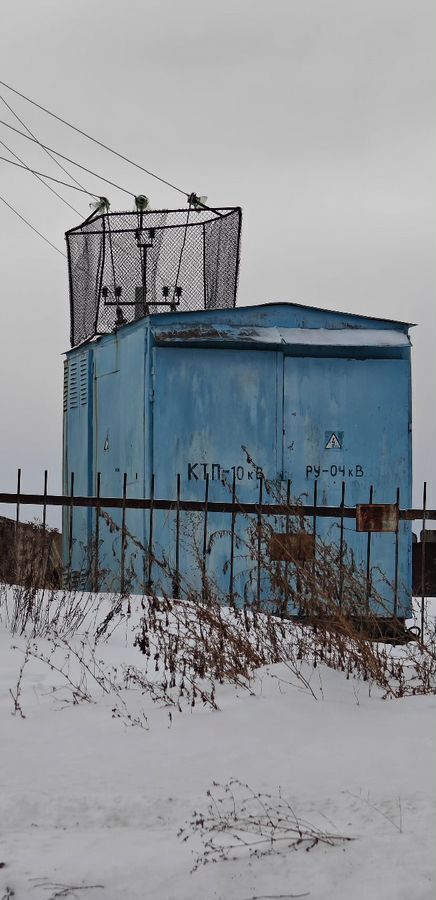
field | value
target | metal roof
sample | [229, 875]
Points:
[340, 312]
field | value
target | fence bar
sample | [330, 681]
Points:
[315, 504]
[150, 535]
[232, 540]
[18, 499]
[259, 538]
[44, 505]
[288, 503]
[123, 536]
[45, 546]
[423, 545]
[397, 558]
[341, 547]
[70, 530]
[206, 501]
[177, 575]
[17, 521]
[368, 556]
[97, 537]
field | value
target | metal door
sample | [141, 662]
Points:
[119, 434]
[347, 420]
[215, 414]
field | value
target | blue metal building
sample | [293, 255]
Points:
[290, 391]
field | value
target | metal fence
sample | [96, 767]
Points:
[287, 547]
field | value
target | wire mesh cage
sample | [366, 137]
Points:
[124, 266]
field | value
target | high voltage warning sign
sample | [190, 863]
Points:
[334, 440]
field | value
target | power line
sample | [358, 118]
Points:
[32, 226]
[95, 141]
[50, 177]
[72, 161]
[46, 149]
[38, 177]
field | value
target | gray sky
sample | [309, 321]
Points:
[316, 116]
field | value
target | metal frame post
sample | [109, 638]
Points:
[397, 556]
[97, 537]
[206, 501]
[150, 536]
[368, 557]
[423, 545]
[259, 539]
[341, 547]
[232, 541]
[70, 531]
[286, 567]
[45, 545]
[123, 538]
[177, 573]
[17, 522]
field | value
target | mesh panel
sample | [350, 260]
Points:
[124, 266]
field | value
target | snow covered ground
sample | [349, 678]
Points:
[90, 807]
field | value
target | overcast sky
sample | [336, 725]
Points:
[316, 116]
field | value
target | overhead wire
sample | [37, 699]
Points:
[73, 187]
[47, 241]
[95, 140]
[67, 158]
[38, 177]
[46, 149]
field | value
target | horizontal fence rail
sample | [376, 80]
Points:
[267, 509]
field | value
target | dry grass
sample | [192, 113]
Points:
[242, 822]
[190, 646]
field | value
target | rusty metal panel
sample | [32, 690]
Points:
[429, 567]
[292, 547]
[377, 517]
